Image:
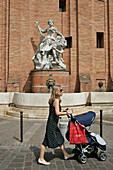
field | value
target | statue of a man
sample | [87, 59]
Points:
[49, 50]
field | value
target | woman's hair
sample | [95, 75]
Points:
[55, 93]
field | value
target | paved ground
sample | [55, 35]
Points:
[23, 156]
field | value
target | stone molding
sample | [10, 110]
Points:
[40, 100]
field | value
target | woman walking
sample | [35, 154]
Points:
[53, 137]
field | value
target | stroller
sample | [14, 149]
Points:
[86, 143]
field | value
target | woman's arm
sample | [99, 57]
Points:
[56, 105]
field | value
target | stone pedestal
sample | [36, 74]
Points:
[39, 78]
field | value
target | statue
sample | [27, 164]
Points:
[50, 48]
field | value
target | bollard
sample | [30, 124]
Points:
[101, 122]
[21, 126]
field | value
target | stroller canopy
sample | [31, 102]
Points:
[86, 119]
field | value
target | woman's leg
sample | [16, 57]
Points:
[42, 151]
[41, 159]
[64, 151]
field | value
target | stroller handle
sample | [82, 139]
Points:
[69, 116]
[72, 118]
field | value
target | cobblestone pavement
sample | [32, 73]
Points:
[23, 156]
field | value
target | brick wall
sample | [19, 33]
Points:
[19, 38]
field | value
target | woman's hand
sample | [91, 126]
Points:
[69, 112]
[64, 110]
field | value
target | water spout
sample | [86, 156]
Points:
[50, 89]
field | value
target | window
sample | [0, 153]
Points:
[100, 40]
[69, 42]
[62, 5]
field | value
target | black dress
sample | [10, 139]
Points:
[53, 137]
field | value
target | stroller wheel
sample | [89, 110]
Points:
[82, 158]
[102, 156]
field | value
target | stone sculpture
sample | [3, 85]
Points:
[50, 48]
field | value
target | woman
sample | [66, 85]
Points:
[53, 137]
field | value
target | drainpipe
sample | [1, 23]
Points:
[8, 40]
[108, 27]
[77, 49]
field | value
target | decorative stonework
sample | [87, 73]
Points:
[50, 49]
[50, 83]
[42, 79]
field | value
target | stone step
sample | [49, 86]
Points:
[15, 109]
[26, 115]
[39, 113]
[42, 113]
[36, 110]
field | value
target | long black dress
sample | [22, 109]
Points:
[53, 137]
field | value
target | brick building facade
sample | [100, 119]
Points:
[87, 26]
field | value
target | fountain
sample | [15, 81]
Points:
[48, 60]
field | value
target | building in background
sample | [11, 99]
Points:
[86, 25]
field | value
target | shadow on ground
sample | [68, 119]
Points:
[51, 154]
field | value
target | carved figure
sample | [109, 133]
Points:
[50, 48]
